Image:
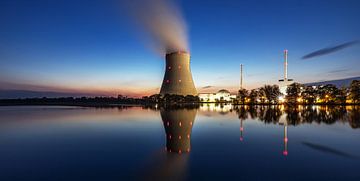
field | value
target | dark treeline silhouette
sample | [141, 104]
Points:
[82, 101]
[105, 101]
[296, 115]
[297, 93]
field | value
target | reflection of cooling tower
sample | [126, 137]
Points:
[178, 79]
[178, 124]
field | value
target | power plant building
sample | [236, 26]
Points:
[178, 79]
[222, 95]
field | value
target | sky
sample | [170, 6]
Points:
[95, 46]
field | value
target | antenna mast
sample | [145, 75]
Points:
[241, 76]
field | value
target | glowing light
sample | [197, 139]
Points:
[286, 139]
[180, 123]
[170, 136]
[168, 123]
[188, 136]
[179, 137]
[300, 99]
[285, 153]
[281, 99]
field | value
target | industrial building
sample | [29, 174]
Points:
[221, 96]
[178, 79]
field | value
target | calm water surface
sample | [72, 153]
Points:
[208, 143]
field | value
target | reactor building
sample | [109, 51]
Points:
[178, 79]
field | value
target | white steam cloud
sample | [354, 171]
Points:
[163, 22]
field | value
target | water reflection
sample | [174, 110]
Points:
[178, 124]
[300, 114]
[127, 143]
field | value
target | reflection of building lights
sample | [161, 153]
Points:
[300, 99]
[281, 99]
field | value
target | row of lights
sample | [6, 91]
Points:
[168, 123]
[188, 136]
[167, 149]
[168, 81]
[178, 67]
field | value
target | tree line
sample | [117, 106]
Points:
[297, 93]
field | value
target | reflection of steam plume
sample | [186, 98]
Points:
[178, 125]
[162, 20]
[166, 167]
[325, 51]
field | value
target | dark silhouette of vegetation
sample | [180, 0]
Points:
[293, 93]
[300, 94]
[104, 101]
[271, 93]
[355, 91]
[243, 94]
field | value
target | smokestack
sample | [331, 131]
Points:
[241, 76]
[178, 79]
[285, 64]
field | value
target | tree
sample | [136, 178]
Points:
[355, 91]
[309, 95]
[254, 95]
[327, 93]
[271, 93]
[341, 94]
[243, 93]
[262, 95]
[293, 92]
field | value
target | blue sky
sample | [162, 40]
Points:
[93, 46]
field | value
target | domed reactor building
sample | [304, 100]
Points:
[178, 79]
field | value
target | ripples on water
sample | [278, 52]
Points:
[152, 143]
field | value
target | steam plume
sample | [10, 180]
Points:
[162, 21]
[328, 50]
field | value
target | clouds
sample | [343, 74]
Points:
[207, 87]
[329, 50]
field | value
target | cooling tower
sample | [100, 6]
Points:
[178, 124]
[178, 79]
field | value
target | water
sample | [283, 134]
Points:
[209, 143]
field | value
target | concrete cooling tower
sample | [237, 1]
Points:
[178, 79]
[178, 124]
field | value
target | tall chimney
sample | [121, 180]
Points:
[241, 76]
[285, 64]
